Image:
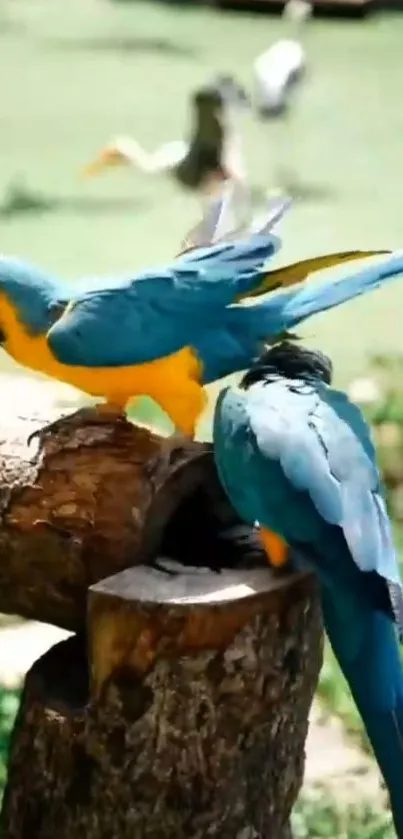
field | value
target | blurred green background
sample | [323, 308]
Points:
[77, 73]
[74, 74]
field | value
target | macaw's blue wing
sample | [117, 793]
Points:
[312, 449]
[330, 455]
[156, 314]
[297, 457]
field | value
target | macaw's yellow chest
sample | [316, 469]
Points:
[173, 382]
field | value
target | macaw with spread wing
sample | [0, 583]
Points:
[296, 457]
[171, 331]
[166, 332]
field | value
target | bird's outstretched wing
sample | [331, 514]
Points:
[158, 313]
[214, 227]
[323, 445]
[298, 272]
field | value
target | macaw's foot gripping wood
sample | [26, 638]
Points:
[179, 710]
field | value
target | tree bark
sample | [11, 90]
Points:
[83, 505]
[193, 719]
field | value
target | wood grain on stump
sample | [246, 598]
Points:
[197, 718]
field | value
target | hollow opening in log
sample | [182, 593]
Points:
[193, 523]
[62, 675]
[197, 535]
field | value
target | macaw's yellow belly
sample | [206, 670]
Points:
[173, 382]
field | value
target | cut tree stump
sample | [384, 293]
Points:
[192, 723]
[180, 708]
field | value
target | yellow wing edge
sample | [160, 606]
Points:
[297, 272]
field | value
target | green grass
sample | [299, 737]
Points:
[319, 816]
[8, 708]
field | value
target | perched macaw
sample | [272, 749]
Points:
[167, 332]
[295, 456]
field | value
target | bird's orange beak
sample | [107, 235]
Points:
[108, 157]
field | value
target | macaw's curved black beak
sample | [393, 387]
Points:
[2, 337]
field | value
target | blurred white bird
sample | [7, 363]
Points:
[278, 73]
[278, 70]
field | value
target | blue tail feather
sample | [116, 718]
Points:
[286, 310]
[246, 329]
[365, 644]
[311, 300]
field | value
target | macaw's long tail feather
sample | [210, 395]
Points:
[265, 220]
[300, 304]
[247, 329]
[219, 220]
[212, 225]
[281, 313]
[365, 644]
[395, 595]
[296, 273]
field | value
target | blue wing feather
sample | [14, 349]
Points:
[156, 314]
[299, 459]
[323, 447]
[300, 451]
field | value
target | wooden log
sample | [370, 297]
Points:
[85, 504]
[180, 709]
[189, 719]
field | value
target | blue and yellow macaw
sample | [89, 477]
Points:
[169, 332]
[166, 332]
[296, 457]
